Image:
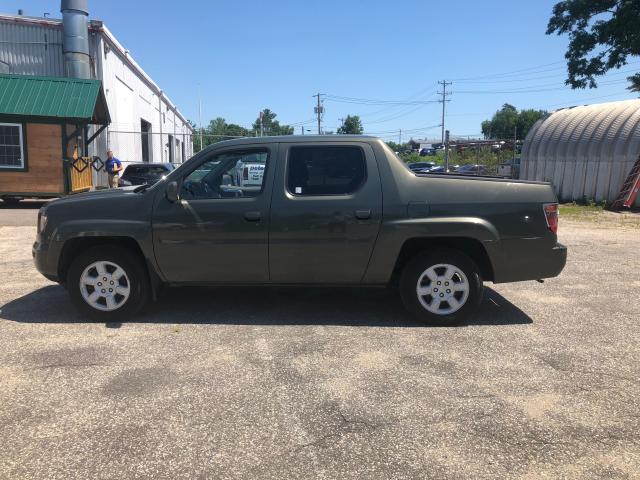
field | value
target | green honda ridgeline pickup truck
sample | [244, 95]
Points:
[324, 211]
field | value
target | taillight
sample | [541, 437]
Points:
[551, 215]
[245, 173]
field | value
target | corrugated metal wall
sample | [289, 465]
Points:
[31, 49]
[586, 152]
[33, 46]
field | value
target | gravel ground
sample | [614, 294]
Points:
[337, 383]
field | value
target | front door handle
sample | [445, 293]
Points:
[252, 216]
[363, 214]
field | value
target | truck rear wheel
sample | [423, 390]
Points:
[108, 283]
[441, 287]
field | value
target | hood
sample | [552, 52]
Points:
[97, 194]
[100, 204]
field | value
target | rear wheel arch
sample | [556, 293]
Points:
[472, 247]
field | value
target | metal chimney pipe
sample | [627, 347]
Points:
[75, 15]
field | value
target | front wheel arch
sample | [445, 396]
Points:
[83, 283]
[74, 247]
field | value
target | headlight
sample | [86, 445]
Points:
[42, 221]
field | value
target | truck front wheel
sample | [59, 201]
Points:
[108, 283]
[443, 286]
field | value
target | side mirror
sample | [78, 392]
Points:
[172, 192]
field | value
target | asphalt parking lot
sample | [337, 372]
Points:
[337, 383]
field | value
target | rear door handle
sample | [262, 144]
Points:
[363, 214]
[252, 216]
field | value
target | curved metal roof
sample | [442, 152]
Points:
[586, 151]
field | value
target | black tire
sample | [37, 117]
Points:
[134, 269]
[419, 264]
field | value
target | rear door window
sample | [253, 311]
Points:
[326, 170]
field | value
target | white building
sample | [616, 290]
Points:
[145, 125]
[587, 152]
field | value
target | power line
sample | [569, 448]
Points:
[369, 101]
[531, 89]
[397, 114]
[543, 77]
[503, 74]
[518, 74]
[571, 104]
[305, 122]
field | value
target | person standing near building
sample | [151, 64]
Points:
[113, 167]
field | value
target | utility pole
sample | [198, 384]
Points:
[302, 129]
[400, 137]
[199, 116]
[319, 110]
[444, 100]
[446, 151]
[261, 124]
[515, 141]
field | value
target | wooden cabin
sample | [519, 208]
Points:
[44, 135]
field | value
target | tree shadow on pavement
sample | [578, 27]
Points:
[370, 307]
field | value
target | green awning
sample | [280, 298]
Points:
[73, 99]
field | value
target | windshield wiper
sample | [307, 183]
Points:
[141, 188]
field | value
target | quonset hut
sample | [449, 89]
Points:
[587, 152]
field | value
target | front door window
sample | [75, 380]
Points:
[228, 175]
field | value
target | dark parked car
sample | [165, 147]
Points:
[473, 169]
[416, 166]
[145, 173]
[329, 210]
[428, 152]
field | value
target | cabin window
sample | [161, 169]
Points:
[325, 170]
[11, 146]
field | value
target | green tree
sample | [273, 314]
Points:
[505, 121]
[217, 131]
[502, 123]
[527, 119]
[271, 126]
[351, 126]
[602, 35]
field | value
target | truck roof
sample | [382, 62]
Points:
[296, 139]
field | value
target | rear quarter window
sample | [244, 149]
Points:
[325, 170]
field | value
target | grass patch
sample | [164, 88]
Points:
[596, 214]
[573, 210]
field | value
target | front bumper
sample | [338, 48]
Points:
[41, 258]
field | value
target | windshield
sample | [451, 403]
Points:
[146, 170]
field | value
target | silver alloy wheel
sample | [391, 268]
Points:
[443, 289]
[105, 286]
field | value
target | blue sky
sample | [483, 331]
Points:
[244, 56]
